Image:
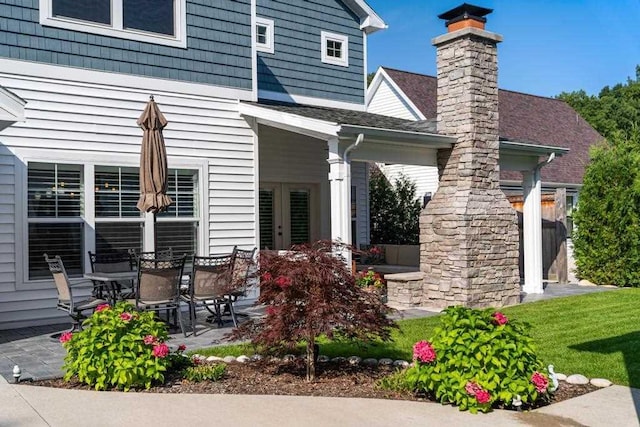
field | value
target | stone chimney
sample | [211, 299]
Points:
[469, 231]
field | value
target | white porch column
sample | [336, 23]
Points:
[340, 186]
[532, 233]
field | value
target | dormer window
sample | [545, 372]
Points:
[151, 21]
[264, 35]
[335, 49]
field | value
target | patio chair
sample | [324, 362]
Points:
[109, 263]
[210, 286]
[158, 286]
[243, 263]
[164, 254]
[66, 303]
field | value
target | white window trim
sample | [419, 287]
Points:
[88, 217]
[344, 61]
[269, 46]
[116, 29]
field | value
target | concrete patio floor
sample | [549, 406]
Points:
[41, 357]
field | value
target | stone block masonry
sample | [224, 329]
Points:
[469, 231]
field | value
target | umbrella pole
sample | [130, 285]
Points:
[149, 243]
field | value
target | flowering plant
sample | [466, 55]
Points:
[478, 358]
[370, 278]
[119, 348]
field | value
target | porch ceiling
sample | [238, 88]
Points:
[11, 108]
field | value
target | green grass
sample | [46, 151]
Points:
[597, 335]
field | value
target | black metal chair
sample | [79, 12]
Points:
[109, 263]
[243, 264]
[66, 303]
[158, 286]
[164, 254]
[210, 286]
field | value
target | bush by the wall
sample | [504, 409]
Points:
[607, 234]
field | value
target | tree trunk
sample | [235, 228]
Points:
[311, 360]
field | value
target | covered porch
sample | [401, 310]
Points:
[313, 160]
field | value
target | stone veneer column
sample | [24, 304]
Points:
[469, 231]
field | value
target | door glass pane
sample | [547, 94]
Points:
[87, 10]
[179, 236]
[154, 16]
[267, 237]
[118, 237]
[300, 203]
[65, 240]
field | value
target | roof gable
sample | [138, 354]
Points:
[370, 22]
[523, 118]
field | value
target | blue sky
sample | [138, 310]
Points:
[549, 46]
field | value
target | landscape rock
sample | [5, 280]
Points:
[229, 359]
[585, 282]
[561, 377]
[289, 357]
[355, 360]
[213, 359]
[385, 362]
[577, 379]
[256, 358]
[600, 382]
[274, 359]
[338, 359]
[370, 362]
[323, 359]
[243, 359]
[401, 363]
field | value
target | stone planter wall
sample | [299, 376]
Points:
[405, 289]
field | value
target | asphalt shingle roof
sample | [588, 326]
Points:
[523, 118]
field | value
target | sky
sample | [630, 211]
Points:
[549, 46]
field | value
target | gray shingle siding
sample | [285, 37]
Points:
[218, 44]
[296, 67]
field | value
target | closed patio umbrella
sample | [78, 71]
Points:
[153, 161]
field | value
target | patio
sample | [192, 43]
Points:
[41, 357]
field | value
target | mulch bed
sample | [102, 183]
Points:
[288, 378]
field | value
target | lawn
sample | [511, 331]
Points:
[597, 335]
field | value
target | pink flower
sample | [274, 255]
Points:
[195, 360]
[271, 310]
[483, 396]
[424, 352]
[182, 347]
[65, 337]
[160, 350]
[126, 316]
[472, 388]
[102, 307]
[540, 381]
[500, 318]
[149, 339]
[283, 282]
[266, 277]
[375, 250]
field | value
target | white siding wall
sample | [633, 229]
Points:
[425, 177]
[97, 123]
[388, 102]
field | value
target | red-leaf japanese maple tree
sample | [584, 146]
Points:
[310, 292]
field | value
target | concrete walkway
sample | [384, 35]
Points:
[24, 405]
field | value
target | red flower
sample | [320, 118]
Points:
[375, 250]
[102, 307]
[126, 316]
[271, 310]
[483, 396]
[283, 282]
[472, 388]
[196, 360]
[182, 347]
[65, 337]
[161, 350]
[540, 381]
[424, 352]
[149, 339]
[500, 318]
[266, 277]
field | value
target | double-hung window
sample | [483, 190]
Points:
[55, 207]
[265, 35]
[335, 49]
[153, 21]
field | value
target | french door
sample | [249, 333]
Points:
[288, 214]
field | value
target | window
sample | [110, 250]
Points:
[152, 21]
[264, 35]
[335, 49]
[354, 216]
[177, 228]
[55, 207]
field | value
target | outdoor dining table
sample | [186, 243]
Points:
[109, 279]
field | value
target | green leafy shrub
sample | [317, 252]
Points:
[210, 372]
[477, 359]
[607, 234]
[119, 347]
